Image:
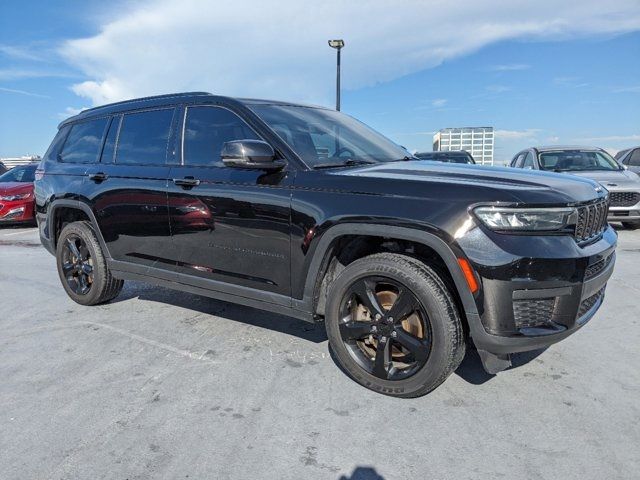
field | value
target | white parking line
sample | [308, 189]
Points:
[18, 233]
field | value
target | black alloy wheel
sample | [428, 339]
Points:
[385, 328]
[77, 265]
[393, 325]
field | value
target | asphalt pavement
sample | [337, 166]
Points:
[160, 384]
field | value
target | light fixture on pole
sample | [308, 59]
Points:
[337, 44]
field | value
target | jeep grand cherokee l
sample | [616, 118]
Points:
[307, 212]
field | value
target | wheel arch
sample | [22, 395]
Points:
[74, 210]
[324, 254]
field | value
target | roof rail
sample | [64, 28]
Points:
[142, 99]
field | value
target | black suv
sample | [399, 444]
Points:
[307, 212]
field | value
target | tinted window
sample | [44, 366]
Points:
[84, 142]
[110, 142]
[56, 144]
[19, 174]
[620, 154]
[324, 137]
[207, 129]
[528, 161]
[518, 161]
[144, 137]
[634, 159]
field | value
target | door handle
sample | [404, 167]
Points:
[98, 176]
[186, 182]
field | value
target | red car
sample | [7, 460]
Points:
[16, 195]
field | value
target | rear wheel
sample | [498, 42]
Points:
[631, 225]
[393, 325]
[82, 266]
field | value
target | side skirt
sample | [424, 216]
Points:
[248, 297]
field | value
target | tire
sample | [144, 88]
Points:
[631, 225]
[441, 336]
[86, 278]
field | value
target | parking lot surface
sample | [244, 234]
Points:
[162, 384]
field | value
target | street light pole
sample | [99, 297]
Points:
[337, 44]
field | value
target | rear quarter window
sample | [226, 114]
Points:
[57, 143]
[144, 137]
[84, 142]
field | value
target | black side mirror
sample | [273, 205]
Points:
[254, 154]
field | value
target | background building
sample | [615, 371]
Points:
[478, 141]
[11, 162]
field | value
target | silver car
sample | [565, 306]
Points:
[630, 158]
[596, 164]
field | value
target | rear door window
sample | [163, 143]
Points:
[144, 137]
[84, 142]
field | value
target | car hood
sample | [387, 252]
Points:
[521, 185]
[12, 188]
[612, 180]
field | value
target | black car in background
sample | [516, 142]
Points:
[454, 156]
[630, 158]
[307, 212]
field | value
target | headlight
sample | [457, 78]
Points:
[525, 219]
[11, 198]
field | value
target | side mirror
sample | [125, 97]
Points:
[254, 154]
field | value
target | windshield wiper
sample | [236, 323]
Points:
[347, 163]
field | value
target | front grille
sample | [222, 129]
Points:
[533, 313]
[588, 303]
[624, 199]
[592, 220]
[596, 268]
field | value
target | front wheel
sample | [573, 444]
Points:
[82, 266]
[393, 325]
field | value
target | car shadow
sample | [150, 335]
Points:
[312, 332]
[362, 473]
[472, 371]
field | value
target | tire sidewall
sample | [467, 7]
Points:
[435, 369]
[83, 231]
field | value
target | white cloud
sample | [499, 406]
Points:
[509, 67]
[611, 138]
[22, 92]
[279, 49]
[21, 73]
[516, 134]
[70, 112]
[439, 102]
[633, 89]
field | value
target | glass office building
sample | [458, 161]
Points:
[478, 141]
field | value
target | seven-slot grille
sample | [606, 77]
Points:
[624, 199]
[592, 220]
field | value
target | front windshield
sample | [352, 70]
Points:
[577, 161]
[19, 174]
[324, 137]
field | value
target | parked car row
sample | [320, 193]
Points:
[618, 175]
[16, 195]
[596, 164]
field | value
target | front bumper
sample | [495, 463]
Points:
[535, 290]
[624, 214]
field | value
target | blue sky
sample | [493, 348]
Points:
[572, 76]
